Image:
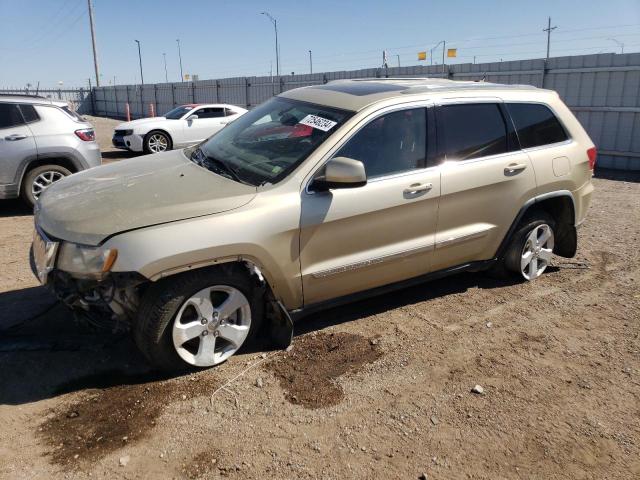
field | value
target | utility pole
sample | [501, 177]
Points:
[398, 57]
[275, 28]
[444, 46]
[140, 58]
[93, 42]
[549, 29]
[166, 78]
[310, 63]
[180, 57]
[385, 63]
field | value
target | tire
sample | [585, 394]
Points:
[38, 179]
[173, 309]
[513, 263]
[157, 141]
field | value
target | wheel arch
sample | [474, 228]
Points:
[561, 206]
[158, 130]
[61, 160]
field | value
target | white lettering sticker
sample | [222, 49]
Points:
[318, 122]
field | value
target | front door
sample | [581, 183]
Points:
[486, 179]
[210, 120]
[16, 143]
[360, 238]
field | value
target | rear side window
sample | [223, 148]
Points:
[536, 124]
[210, 112]
[469, 131]
[29, 113]
[9, 115]
[228, 112]
[73, 114]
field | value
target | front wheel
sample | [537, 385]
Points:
[198, 319]
[156, 142]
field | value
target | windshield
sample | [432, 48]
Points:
[178, 112]
[266, 144]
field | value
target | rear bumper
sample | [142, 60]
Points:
[582, 201]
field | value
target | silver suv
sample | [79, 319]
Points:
[319, 196]
[41, 142]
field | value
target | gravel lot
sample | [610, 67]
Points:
[377, 389]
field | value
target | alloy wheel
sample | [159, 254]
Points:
[537, 251]
[157, 143]
[44, 181]
[211, 325]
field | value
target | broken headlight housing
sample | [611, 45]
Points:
[82, 261]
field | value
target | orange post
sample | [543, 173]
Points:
[152, 110]
[127, 109]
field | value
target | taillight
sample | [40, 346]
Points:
[86, 134]
[592, 153]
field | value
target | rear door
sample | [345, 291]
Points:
[17, 144]
[360, 238]
[486, 179]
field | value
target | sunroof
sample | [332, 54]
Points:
[362, 88]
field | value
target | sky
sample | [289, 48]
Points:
[49, 41]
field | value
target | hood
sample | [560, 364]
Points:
[94, 204]
[138, 123]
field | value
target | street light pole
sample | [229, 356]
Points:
[437, 45]
[620, 44]
[398, 57]
[180, 57]
[166, 78]
[140, 59]
[275, 28]
[310, 63]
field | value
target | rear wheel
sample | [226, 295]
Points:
[156, 142]
[531, 247]
[198, 319]
[39, 179]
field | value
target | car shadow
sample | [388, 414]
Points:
[419, 293]
[46, 352]
[113, 155]
[14, 208]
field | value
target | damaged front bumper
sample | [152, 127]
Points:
[110, 302]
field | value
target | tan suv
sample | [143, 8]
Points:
[319, 196]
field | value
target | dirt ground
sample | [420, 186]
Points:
[376, 389]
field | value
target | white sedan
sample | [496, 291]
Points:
[183, 126]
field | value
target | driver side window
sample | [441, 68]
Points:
[393, 143]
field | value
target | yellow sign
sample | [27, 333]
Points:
[187, 76]
[452, 52]
[422, 55]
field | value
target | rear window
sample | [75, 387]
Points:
[469, 131]
[29, 113]
[10, 115]
[536, 124]
[73, 114]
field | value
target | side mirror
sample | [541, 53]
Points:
[193, 117]
[341, 172]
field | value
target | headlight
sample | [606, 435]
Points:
[126, 133]
[83, 261]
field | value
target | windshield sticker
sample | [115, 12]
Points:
[318, 122]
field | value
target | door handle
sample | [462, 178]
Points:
[417, 188]
[514, 168]
[14, 137]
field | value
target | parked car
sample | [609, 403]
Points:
[319, 196]
[183, 126]
[41, 142]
